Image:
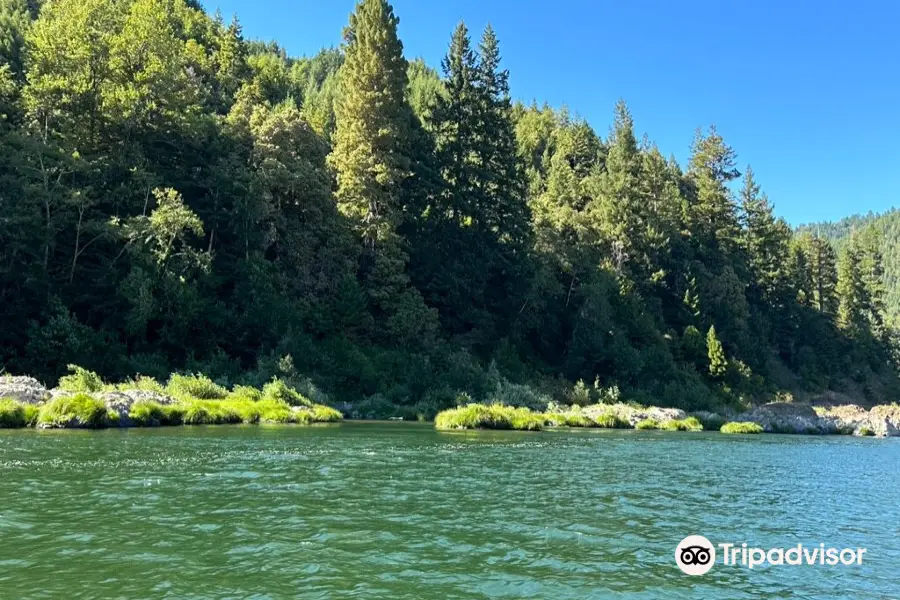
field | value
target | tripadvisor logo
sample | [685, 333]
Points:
[696, 555]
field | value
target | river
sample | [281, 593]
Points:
[397, 511]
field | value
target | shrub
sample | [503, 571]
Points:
[80, 380]
[866, 432]
[741, 427]
[519, 396]
[375, 406]
[195, 386]
[688, 424]
[580, 394]
[495, 416]
[12, 414]
[279, 390]
[611, 421]
[80, 410]
[647, 424]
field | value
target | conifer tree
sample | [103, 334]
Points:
[371, 162]
[717, 361]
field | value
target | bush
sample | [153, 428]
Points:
[80, 410]
[80, 380]
[279, 390]
[495, 416]
[647, 424]
[741, 427]
[866, 432]
[12, 414]
[688, 424]
[611, 421]
[200, 387]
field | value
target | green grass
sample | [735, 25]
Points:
[568, 420]
[279, 390]
[688, 424]
[80, 410]
[611, 421]
[866, 432]
[147, 413]
[198, 387]
[80, 380]
[325, 414]
[647, 424]
[143, 383]
[495, 416]
[12, 414]
[741, 427]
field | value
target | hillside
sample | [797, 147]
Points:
[174, 197]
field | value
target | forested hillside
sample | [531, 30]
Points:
[886, 229]
[175, 197]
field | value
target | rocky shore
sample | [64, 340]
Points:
[778, 417]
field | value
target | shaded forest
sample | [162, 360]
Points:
[174, 197]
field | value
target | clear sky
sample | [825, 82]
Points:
[807, 92]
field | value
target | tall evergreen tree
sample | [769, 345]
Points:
[370, 161]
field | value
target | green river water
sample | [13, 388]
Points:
[397, 510]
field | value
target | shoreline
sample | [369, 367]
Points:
[83, 401]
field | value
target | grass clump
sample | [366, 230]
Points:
[12, 414]
[866, 432]
[568, 420]
[611, 421]
[688, 424]
[279, 390]
[143, 383]
[495, 416]
[647, 424]
[245, 392]
[741, 427]
[147, 413]
[198, 387]
[325, 414]
[81, 380]
[80, 410]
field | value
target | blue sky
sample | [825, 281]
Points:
[806, 92]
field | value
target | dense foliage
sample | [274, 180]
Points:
[174, 197]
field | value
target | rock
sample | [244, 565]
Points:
[121, 402]
[634, 415]
[27, 390]
[783, 417]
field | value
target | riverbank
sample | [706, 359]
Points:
[83, 401]
[777, 417]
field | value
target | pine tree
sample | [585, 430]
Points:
[371, 161]
[717, 361]
[851, 291]
[765, 241]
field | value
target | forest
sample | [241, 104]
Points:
[177, 198]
